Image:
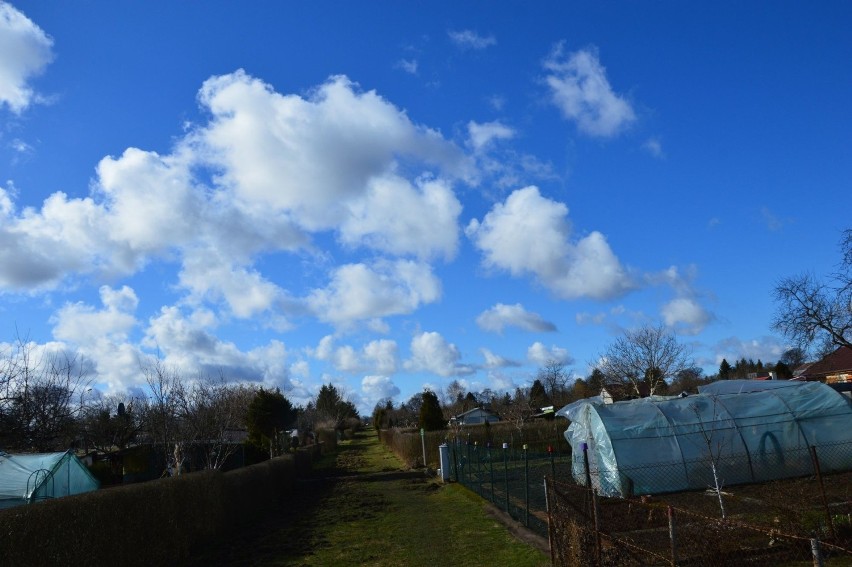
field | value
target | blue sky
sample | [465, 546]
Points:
[387, 196]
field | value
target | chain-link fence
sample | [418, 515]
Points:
[806, 520]
[735, 521]
[510, 477]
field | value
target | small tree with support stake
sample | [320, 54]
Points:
[713, 445]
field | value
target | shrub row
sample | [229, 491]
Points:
[406, 445]
[152, 523]
[538, 435]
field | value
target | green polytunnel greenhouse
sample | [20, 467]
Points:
[732, 431]
[36, 476]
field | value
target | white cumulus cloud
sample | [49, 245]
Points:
[376, 388]
[580, 89]
[493, 360]
[686, 315]
[187, 343]
[311, 157]
[25, 50]
[430, 352]
[541, 354]
[501, 316]
[530, 234]
[359, 292]
[84, 325]
[378, 356]
[398, 217]
[382, 356]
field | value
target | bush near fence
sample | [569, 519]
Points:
[153, 523]
[537, 435]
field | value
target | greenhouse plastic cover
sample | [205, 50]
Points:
[20, 479]
[750, 431]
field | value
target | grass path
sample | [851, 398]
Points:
[363, 508]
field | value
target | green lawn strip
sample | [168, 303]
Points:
[363, 508]
[405, 519]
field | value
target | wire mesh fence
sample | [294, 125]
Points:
[801, 521]
[588, 530]
[510, 477]
[790, 521]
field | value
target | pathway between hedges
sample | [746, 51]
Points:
[363, 508]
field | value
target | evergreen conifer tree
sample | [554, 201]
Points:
[431, 416]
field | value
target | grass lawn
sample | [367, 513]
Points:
[363, 508]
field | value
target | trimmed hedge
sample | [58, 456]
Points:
[153, 523]
[406, 443]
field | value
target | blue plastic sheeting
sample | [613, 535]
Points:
[34, 476]
[747, 430]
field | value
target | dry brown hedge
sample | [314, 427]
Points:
[153, 523]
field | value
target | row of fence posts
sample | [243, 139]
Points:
[816, 551]
[467, 471]
[595, 510]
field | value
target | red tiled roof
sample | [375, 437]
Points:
[839, 360]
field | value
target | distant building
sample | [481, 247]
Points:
[836, 368]
[765, 375]
[476, 416]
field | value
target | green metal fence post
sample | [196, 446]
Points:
[526, 487]
[506, 473]
[478, 467]
[491, 467]
[456, 457]
[467, 468]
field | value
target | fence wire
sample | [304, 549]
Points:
[511, 478]
[780, 522]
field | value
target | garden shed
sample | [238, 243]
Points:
[28, 477]
[747, 430]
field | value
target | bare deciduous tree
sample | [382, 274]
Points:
[40, 389]
[712, 440]
[811, 309]
[162, 414]
[212, 412]
[554, 377]
[649, 355]
[111, 423]
[198, 417]
[517, 409]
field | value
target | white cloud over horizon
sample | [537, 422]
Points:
[766, 349]
[379, 356]
[292, 227]
[540, 354]
[377, 388]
